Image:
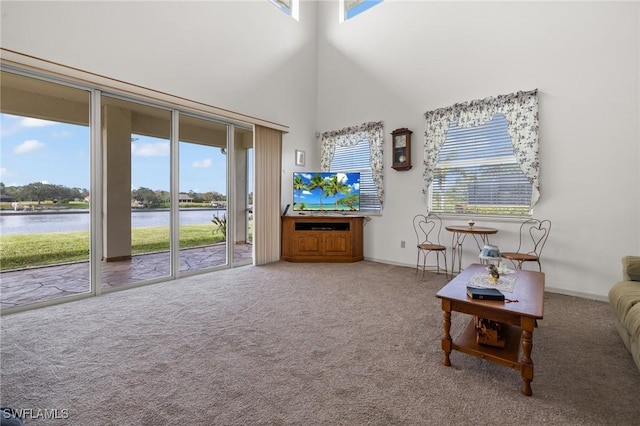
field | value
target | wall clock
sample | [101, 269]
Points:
[401, 144]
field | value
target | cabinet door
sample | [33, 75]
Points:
[337, 244]
[307, 244]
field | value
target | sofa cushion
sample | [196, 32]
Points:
[632, 325]
[623, 296]
[631, 266]
[632, 321]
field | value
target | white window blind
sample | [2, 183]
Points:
[477, 173]
[357, 158]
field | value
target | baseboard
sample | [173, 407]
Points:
[556, 290]
[406, 265]
[579, 294]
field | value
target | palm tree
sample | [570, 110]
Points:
[221, 225]
[317, 182]
[349, 201]
[299, 185]
[336, 186]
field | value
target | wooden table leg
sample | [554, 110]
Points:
[446, 337]
[525, 361]
[456, 251]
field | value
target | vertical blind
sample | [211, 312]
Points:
[266, 203]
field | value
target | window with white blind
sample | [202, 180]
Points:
[477, 173]
[357, 158]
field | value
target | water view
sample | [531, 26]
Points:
[78, 220]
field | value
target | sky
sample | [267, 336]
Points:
[34, 150]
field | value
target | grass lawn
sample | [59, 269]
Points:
[27, 250]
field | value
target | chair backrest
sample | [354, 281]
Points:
[427, 228]
[533, 236]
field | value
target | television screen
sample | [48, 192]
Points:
[326, 191]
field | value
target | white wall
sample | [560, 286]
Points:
[401, 59]
[244, 56]
[393, 63]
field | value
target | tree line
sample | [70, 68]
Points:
[149, 197]
[39, 192]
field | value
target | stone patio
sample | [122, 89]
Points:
[26, 286]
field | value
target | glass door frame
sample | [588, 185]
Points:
[96, 93]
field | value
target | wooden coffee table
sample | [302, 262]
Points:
[519, 317]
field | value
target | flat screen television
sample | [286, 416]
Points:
[326, 191]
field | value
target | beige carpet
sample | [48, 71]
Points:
[304, 344]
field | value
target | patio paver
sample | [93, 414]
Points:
[26, 286]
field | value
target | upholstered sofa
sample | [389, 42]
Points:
[625, 301]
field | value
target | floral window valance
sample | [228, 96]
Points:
[521, 111]
[349, 136]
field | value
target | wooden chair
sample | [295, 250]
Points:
[533, 236]
[427, 229]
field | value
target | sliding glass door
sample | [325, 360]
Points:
[136, 140]
[105, 191]
[203, 201]
[44, 191]
[243, 191]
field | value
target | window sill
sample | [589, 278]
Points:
[467, 217]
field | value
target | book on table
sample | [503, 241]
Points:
[484, 293]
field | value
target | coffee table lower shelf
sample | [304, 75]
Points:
[519, 319]
[508, 356]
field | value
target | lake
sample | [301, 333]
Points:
[78, 220]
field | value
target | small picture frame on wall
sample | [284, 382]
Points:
[299, 157]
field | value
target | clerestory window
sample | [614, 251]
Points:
[352, 8]
[290, 7]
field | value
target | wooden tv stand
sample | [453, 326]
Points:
[322, 238]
